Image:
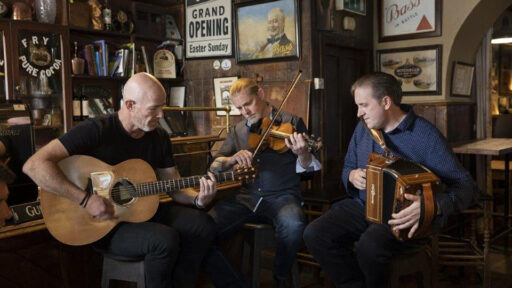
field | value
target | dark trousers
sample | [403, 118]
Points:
[173, 244]
[283, 212]
[331, 237]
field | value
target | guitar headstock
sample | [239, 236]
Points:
[245, 174]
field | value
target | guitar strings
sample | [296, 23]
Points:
[131, 190]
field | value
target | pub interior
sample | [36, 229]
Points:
[64, 64]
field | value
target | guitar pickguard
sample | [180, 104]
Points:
[101, 183]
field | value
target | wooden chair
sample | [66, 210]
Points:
[418, 262]
[460, 251]
[129, 269]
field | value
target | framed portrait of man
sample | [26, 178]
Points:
[267, 31]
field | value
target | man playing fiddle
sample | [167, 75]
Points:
[274, 197]
[331, 237]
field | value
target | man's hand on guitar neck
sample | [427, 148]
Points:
[100, 208]
[207, 190]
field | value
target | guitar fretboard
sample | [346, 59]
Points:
[168, 186]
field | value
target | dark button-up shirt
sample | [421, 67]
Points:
[417, 140]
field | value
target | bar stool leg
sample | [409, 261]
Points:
[256, 263]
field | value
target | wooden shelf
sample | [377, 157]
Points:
[148, 37]
[98, 32]
[42, 127]
[27, 227]
[196, 139]
[155, 38]
[108, 78]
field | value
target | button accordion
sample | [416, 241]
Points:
[388, 179]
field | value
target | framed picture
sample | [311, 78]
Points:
[177, 96]
[462, 78]
[417, 68]
[208, 29]
[356, 6]
[267, 30]
[405, 19]
[221, 87]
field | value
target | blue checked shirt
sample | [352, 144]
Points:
[418, 140]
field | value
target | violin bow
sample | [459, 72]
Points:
[288, 93]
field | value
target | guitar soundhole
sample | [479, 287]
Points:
[122, 193]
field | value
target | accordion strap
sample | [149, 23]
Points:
[427, 211]
[377, 137]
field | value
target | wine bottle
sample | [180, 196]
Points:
[85, 106]
[107, 16]
[77, 106]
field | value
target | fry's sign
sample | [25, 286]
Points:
[35, 58]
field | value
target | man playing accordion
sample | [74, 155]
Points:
[330, 238]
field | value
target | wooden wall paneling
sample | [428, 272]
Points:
[427, 112]
[441, 119]
[454, 120]
[460, 122]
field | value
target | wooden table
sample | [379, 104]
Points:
[493, 147]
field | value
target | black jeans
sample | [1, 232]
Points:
[173, 244]
[331, 237]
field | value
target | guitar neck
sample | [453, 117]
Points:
[168, 186]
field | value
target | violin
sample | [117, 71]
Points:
[277, 134]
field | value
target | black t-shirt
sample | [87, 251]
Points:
[106, 139]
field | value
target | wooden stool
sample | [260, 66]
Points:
[259, 237]
[130, 269]
[417, 262]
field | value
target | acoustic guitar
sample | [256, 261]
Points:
[132, 187]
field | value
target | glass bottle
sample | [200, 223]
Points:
[107, 16]
[77, 106]
[77, 63]
[85, 105]
[46, 11]
[56, 116]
